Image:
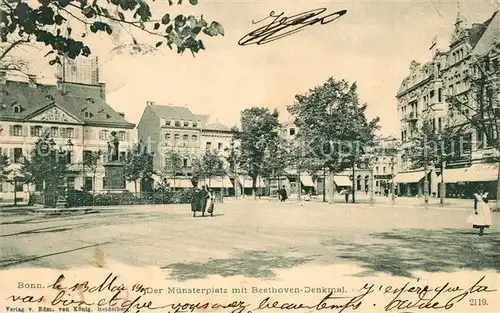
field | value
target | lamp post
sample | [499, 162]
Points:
[393, 196]
[426, 180]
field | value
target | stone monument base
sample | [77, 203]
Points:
[114, 177]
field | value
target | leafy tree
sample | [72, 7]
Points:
[209, 166]
[479, 108]
[138, 164]
[333, 126]
[259, 130]
[173, 165]
[46, 22]
[91, 163]
[45, 165]
[277, 158]
[4, 168]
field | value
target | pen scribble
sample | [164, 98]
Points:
[282, 26]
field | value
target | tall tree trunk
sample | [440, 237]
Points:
[254, 185]
[135, 186]
[497, 205]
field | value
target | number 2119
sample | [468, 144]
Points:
[477, 302]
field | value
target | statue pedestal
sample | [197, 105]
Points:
[114, 177]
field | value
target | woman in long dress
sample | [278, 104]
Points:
[210, 202]
[481, 216]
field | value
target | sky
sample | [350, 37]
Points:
[372, 44]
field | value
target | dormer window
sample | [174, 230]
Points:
[195, 124]
[90, 100]
[87, 114]
[177, 124]
[49, 97]
[186, 123]
[17, 108]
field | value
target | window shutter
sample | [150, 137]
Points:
[25, 130]
[76, 133]
[11, 155]
[32, 131]
[11, 130]
[62, 132]
[101, 134]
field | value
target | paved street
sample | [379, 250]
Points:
[253, 238]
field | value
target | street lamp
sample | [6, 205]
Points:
[393, 189]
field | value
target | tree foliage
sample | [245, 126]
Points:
[333, 125]
[91, 163]
[4, 168]
[433, 145]
[277, 157]
[46, 164]
[258, 134]
[46, 22]
[138, 164]
[209, 166]
[173, 165]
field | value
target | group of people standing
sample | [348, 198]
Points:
[202, 201]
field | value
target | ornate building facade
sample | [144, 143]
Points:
[423, 95]
[72, 113]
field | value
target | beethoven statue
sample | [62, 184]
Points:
[113, 148]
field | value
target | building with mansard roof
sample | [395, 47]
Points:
[71, 112]
[422, 97]
[165, 128]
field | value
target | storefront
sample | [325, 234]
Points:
[463, 182]
[412, 183]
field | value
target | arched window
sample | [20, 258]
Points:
[185, 140]
[176, 140]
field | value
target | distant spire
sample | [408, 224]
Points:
[459, 16]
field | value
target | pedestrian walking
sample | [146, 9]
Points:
[283, 194]
[210, 202]
[345, 192]
[481, 215]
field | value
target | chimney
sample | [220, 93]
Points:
[102, 90]
[32, 80]
[122, 114]
[3, 77]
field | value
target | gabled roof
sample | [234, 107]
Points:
[171, 111]
[477, 30]
[75, 99]
[217, 127]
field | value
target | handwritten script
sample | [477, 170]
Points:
[282, 26]
[110, 293]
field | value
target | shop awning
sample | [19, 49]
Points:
[454, 175]
[306, 180]
[342, 181]
[481, 172]
[180, 183]
[409, 177]
[219, 182]
[258, 183]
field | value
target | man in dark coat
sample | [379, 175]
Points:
[283, 194]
